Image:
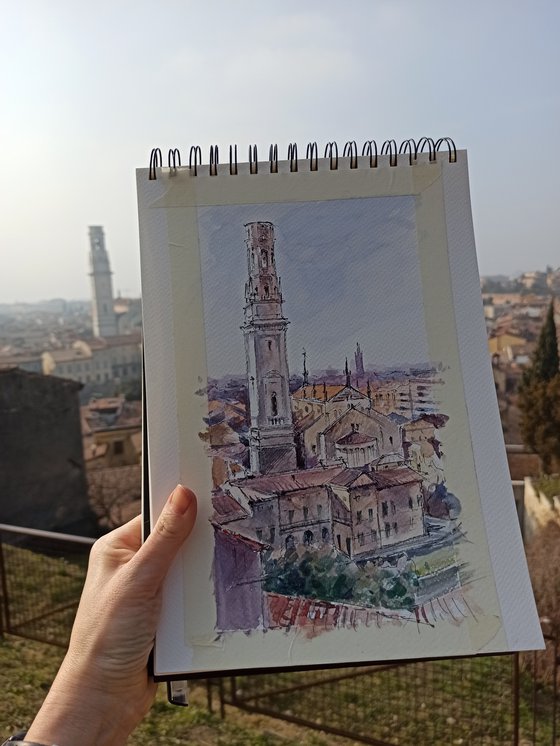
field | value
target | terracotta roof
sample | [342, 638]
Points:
[227, 508]
[253, 544]
[380, 480]
[68, 355]
[109, 402]
[122, 340]
[354, 439]
[15, 360]
[286, 482]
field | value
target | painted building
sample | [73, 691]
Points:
[271, 439]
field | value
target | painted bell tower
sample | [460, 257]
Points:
[104, 317]
[271, 440]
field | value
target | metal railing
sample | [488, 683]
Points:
[41, 578]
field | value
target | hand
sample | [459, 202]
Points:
[102, 689]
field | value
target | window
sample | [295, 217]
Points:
[290, 516]
[391, 439]
[384, 510]
[374, 535]
[118, 447]
[396, 528]
[393, 508]
[410, 503]
[370, 514]
[272, 534]
[361, 540]
[359, 516]
[387, 530]
[269, 343]
[305, 514]
[308, 538]
[274, 404]
[259, 534]
[325, 534]
[319, 510]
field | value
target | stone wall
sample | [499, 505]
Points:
[42, 473]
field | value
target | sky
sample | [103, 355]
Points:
[349, 271]
[88, 89]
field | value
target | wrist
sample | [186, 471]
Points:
[75, 712]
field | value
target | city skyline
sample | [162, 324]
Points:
[77, 123]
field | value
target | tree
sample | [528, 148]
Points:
[539, 396]
[544, 365]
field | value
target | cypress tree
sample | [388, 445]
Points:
[539, 396]
[545, 363]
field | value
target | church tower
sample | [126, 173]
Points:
[104, 317]
[271, 441]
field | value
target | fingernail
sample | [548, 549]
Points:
[180, 500]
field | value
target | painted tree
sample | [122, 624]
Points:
[539, 396]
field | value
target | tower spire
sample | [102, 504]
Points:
[305, 371]
[347, 372]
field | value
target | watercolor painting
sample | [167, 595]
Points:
[325, 434]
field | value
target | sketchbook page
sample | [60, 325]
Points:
[317, 372]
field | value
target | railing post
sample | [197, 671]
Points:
[516, 693]
[5, 610]
[555, 683]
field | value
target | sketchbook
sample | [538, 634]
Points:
[317, 371]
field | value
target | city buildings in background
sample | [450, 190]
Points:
[96, 343]
[73, 445]
[514, 310]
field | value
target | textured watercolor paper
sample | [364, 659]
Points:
[317, 372]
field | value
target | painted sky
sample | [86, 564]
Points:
[349, 272]
[89, 88]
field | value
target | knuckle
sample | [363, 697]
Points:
[166, 527]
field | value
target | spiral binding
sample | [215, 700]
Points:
[408, 148]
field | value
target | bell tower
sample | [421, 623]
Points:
[104, 317]
[271, 440]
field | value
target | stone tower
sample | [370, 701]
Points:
[104, 317]
[271, 440]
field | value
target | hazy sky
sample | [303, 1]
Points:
[349, 271]
[87, 89]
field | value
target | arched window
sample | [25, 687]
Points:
[290, 542]
[308, 538]
[274, 404]
[264, 258]
[266, 291]
[325, 534]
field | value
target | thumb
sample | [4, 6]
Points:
[173, 526]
